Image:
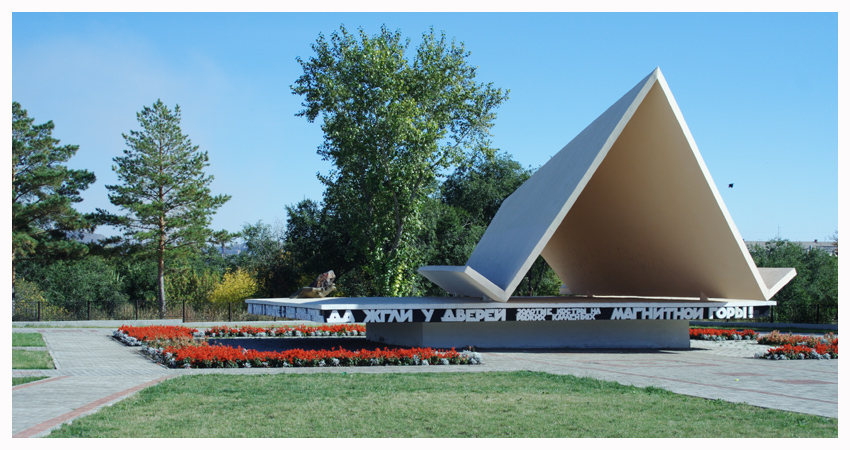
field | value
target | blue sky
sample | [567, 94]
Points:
[759, 92]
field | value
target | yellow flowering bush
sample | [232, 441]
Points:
[235, 287]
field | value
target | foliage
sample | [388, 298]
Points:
[72, 284]
[222, 238]
[163, 190]
[27, 293]
[139, 277]
[391, 125]
[267, 261]
[466, 203]
[43, 191]
[311, 245]
[193, 286]
[479, 186]
[234, 288]
[816, 283]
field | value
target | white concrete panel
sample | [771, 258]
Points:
[648, 222]
[776, 278]
[527, 218]
[627, 208]
[465, 281]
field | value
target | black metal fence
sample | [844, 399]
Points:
[44, 311]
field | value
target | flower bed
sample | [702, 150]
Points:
[791, 346]
[714, 334]
[788, 351]
[176, 346]
[208, 356]
[287, 331]
[777, 338]
[156, 334]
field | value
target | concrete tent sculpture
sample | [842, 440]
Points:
[627, 208]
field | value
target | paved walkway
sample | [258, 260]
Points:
[93, 370]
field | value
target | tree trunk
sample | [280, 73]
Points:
[160, 258]
[160, 282]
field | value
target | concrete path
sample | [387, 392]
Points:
[93, 370]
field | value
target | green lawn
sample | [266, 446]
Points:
[26, 359]
[514, 404]
[23, 380]
[27, 340]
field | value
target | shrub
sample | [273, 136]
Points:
[234, 288]
[195, 287]
[71, 284]
[813, 292]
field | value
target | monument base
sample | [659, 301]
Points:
[645, 334]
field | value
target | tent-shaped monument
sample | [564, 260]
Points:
[630, 220]
[627, 208]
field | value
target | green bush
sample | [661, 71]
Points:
[70, 285]
[813, 292]
[193, 286]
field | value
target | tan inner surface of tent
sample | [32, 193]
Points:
[648, 223]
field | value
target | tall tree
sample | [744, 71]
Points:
[222, 238]
[164, 190]
[43, 191]
[391, 126]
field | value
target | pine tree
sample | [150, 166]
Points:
[164, 190]
[43, 191]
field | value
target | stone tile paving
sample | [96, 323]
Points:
[93, 371]
[711, 370]
[90, 367]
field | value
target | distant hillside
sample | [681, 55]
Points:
[234, 249]
[88, 237]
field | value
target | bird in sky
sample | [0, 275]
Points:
[731, 184]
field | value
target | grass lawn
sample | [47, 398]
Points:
[508, 404]
[27, 340]
[25, 359]
[23, 380]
